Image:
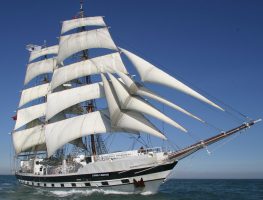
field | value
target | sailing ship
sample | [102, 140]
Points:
[60, 129]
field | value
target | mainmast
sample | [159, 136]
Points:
[85, 56]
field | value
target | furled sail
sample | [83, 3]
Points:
[80, 22]
[42, 52]
[128, 119]
[111, 62]
[41, 67]
[70, 44]
[33, 93]
[129, 102]
[28, 138]
[71, 97]
[137, 89]
[150, 73]
[26, 115]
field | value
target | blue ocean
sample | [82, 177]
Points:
[175, 189]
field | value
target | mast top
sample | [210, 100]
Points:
[81, 12]
[81, 5]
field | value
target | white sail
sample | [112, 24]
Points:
[147, 93]
[127, 120]
[59, 133]
[129, 102]
[80, 22]
[71, 97]
[137, 89]
[28, 138]
[26, 115]
[33, 93]
[150, 73]
[70, 44]
[41, 67]
[42, 52]
[111, 62]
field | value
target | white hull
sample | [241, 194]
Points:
[131, 172]
[151, 186]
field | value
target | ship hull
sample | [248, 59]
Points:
[138, 180]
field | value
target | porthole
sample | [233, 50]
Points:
[104, 183]
[87, 184]
[125, 181]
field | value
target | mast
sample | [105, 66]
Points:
[85, 56]
[43, 79]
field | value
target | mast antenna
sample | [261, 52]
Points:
[81, 5]
[45, 44]
[81, 12]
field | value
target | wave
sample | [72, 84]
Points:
[6, 184]
[148, 193]
[89, 192]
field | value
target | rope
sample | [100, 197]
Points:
[227, 141]
[174, 146]
[214, 127]
[108, 137]
[145, 144]
[193, 136]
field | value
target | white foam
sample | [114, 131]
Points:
[148, 193]
[62, 193]
[116, 192]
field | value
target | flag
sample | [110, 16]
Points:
[14, 117]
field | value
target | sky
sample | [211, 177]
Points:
[215, 46]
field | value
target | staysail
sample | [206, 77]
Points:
[127, 120]
[136, 104]
[150, 73]
[137, 89]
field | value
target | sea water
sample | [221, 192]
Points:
[176, 189]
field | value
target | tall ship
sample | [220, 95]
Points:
[73, 101]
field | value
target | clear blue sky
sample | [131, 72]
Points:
[215, 45]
